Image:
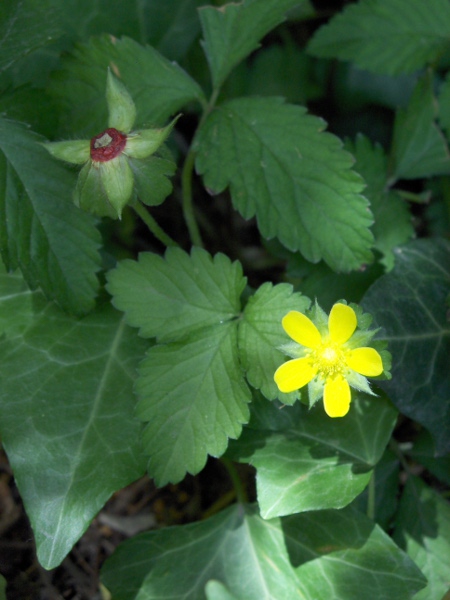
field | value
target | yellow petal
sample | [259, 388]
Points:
[336, 397]
[294, 374]
[341, 323]
[365, 361]
[301, 329]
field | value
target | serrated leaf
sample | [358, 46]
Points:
[66, 417]
[281, 166]
[261, 334]
[423, 530]
[193, 397]
[231, 32]
[419, 148]
[41, 231]
[393, 221]
[307, 461]
[170, 297]
[386, 36]
[409, 303]
[26, 26]
[158, 87]
[344, 555]
[236, 547]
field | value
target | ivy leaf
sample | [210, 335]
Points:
[423, 530]
[193, 397]
[231, 32]
[216, 591]
[177, 294]
[393, 221]
[158, 87]
[306, 461]
[281, 166]
[419, 148]
[66, 417]
[261, 334]
[423, 451]
[386, 36]
[41, 231]
[409, 303]
[343, 554]
[234, 547]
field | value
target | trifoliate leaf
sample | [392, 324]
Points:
[419, 148]
[393, 221]
[66, 415]
[193, 396]
[158, 87]
[281, 166]
[423, 531]
[41, 231]
[386, 36]
[173, 296]
[261, 335]
[231, 32]
[409, 303]
[307, 461]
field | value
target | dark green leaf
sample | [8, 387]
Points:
[66, 416]
[231, 32]
[386, 36]
[409, 303]
[41, 231]
[423, 530]
[307, 461]
[424, 452]
[281, 166]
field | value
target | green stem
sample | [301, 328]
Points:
[157, 231]
[188, 207]
[237, 483]
[371, 497]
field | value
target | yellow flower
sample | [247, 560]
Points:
[330, 361]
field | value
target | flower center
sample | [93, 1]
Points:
[328, 359]
[107, 145]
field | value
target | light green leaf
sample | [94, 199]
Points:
[423, 530]
[231, 32]
[393, 221]
[170, 297]
[386, 36]
[410, 304]
[307, 461]
[341, 554]
[41, 231]
[281, 166]
[66, 417]
[26, 26]
[193, 397]
[419, 148]
[235, 547]
[216, 591]
[261, 335]
[158, 87]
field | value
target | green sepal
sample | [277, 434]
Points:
[151, 178]
[76, 152]
[117, 180]
[121, 108]
[144, 142]
[89, 194]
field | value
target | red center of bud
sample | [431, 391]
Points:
[107, 145]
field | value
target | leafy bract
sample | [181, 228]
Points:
[281, 166]
[342, 554]
[261, 335]
[423, 530]
[158, 87]
[192, 393]
[409, 303]
[41, 231]
[231, 32]
[307, 461]
[386, 36]
[26, 26]
[66, 416]
[419, 148]
[393, 224]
